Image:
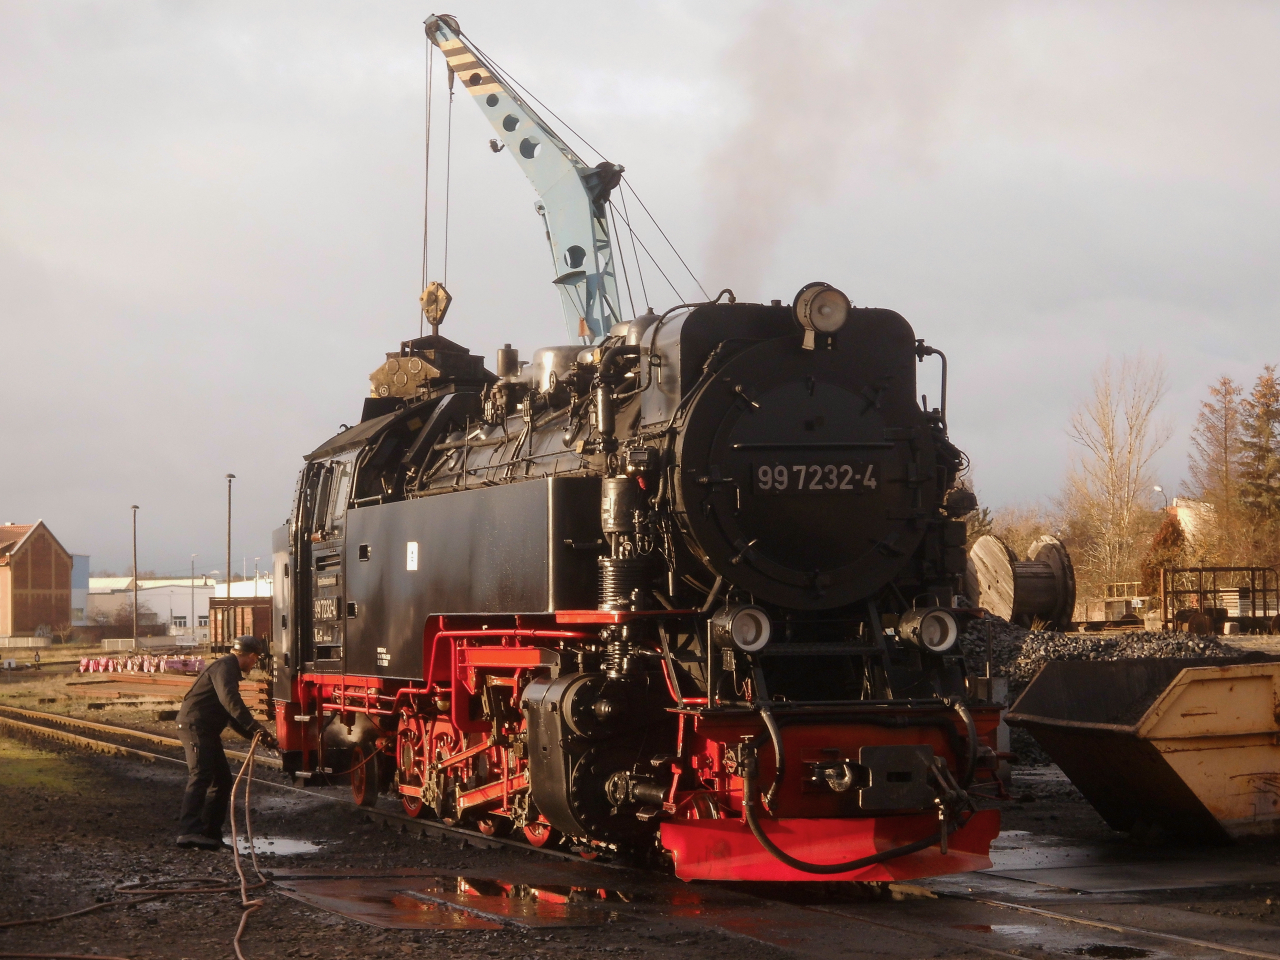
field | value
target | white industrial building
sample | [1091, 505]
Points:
[179, 602]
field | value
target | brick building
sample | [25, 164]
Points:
[35, 580]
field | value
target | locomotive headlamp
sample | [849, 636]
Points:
[744, 626]
[820, 308]
[932, 628]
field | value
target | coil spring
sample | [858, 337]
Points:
[619, 576]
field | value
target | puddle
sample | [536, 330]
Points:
[533, 905]
[458, 903]
[1017, 931]
[280, 846]
[1043, 938]
[379, 903]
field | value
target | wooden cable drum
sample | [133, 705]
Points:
[1042, 587]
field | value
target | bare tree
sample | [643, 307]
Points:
[1106, 502]
[1020, 526]
[123, 616]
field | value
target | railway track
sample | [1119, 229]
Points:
[986, 911]
[58, 727]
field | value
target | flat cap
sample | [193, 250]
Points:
[248, 644]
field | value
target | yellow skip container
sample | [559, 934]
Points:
[1188, 747]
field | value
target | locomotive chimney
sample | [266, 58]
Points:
[508, 362]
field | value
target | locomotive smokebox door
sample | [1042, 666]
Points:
[804, 475]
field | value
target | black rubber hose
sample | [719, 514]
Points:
[779, 757]
[775, 736]
[748, 813]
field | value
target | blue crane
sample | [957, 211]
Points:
[572, 195]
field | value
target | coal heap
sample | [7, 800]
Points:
[1017, 653]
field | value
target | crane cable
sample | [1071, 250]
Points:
[448, 169]
[623, 260]
[635, 239]
[654, 221]
[426, 180]
[502, 74]
[634, 253]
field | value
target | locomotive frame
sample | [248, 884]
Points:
[692, 593]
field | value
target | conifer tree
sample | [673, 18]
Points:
[1260, 448]
[1216, 445]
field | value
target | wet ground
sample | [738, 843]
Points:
[79, 825]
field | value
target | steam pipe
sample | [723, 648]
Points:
[971, 733]
[711, 597]
[924, 350]
[604, 415]
[611, 355]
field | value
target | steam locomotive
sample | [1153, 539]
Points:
[690, 593]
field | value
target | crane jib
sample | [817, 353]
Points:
[572, 195]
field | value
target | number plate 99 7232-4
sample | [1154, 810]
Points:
[815, 477]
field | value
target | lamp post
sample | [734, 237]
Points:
[255, 575]
[193, 596]
[214, 575]
[1160, 490]
[134, 508]
[230, 477]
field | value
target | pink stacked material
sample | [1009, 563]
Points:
[141, 664]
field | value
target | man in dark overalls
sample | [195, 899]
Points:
[213, 702]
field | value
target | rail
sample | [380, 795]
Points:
[403, 824]
[399, 822]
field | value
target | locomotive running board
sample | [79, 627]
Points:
[726, 850]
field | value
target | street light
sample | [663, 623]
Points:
[230, 477]
[193, 595]
[1160, 490]
[134, 508]
[255, 575]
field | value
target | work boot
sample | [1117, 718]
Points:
[217, 841]
[198, 841]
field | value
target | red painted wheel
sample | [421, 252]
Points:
[409, 759]
[414, 806]
[586, 853]
[364, 776]
[494, 826]
[540, 834]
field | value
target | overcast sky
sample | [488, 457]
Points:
[211, 217]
